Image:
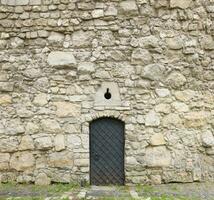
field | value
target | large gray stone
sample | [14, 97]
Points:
[61, 59]
[67, 109]
[176, 80]
[6, 86]
[157, 157]
[42, 179]
[9, 144]
[141, 57]
[4, 161]
[128, 8]
[63, 159]
[56, 38]
[22, 161]
[152, 119]
[86, 67]
[183, 4]
[26, 143]
[59, 142]
[153, 71]
[43, 143]
[50, 125]
[207, 139]
[82, 38]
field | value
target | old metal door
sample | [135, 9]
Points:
[107, 152]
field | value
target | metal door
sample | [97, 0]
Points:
[107, 152]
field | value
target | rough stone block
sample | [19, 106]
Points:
[59, 142]
[61, 59]
[5, 99]
[153, 72]
[22, 161]
[157, 157]
[141, 57]
[4, 161]
[183, 4]
[42, 179]
[128, 8]
[67, 109]
[26, 143]
[6, 86]
[82, 38]
[43, 143]
[50, 125]
[62, 159]
[207, 139]
[157, 139]
[152, 119]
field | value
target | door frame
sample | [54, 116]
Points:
[124, 140]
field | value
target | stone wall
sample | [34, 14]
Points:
[56, 58]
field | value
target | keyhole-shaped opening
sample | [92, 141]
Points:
[107, 95]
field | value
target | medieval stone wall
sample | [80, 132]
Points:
[58, 56]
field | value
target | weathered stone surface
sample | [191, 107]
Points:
[152, 119]
[42, 84]
[176, 80]
[131, 161]
[43, 143]
[207, 139]
[32, 72]
[63, 159]
[157, 139]
[207, 42]
[162, 92]
[141, 57]
[153, 72]
[172, 119]
[59, 142]
[31, 128]
[50, 125]
[9, 144]
[185, 95]
[58, 58]
[180, 107]
[40, 99]
[97, 13]
[14, 127]
[183, 4]
[163, 108]
[55, 37]
[82, 38]
[5, 99]
[22, 161]
[15, 2]
[157, 157]
[128, 8]
[61, 59]
[4, 161]
[26, 143]
[17, 42]
[86, 67]
[175, 43]
[111, 11]
[196, 119]
[67, 109]
[42, 179]
[6, 86]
